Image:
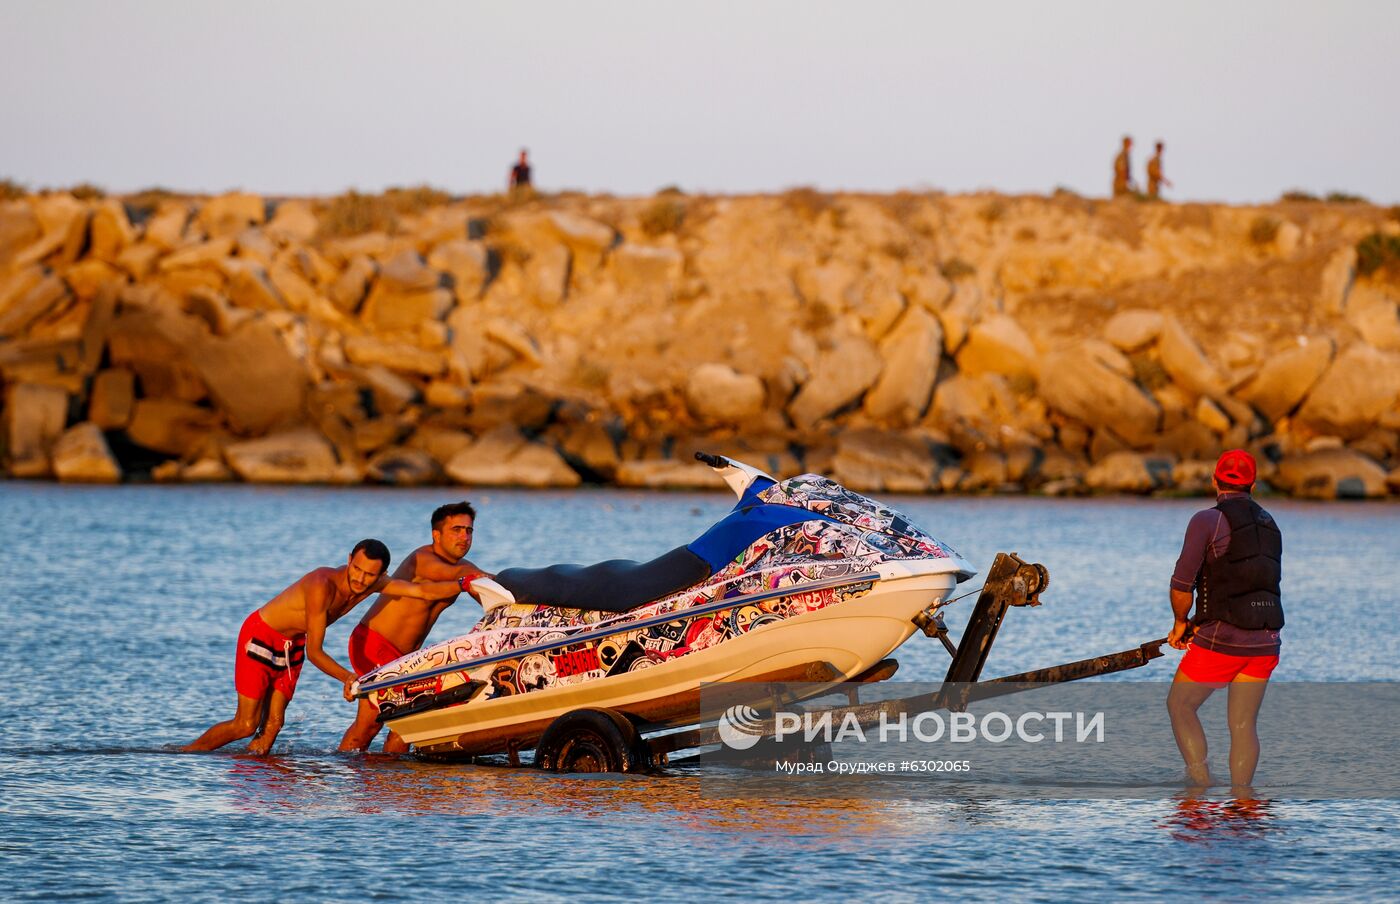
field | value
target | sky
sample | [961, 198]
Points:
[309, 97]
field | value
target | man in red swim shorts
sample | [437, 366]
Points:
[276, 639]
[397, 624]
[1232, 559]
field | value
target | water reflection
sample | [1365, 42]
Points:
[1199, 820]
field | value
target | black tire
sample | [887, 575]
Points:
[592, 740]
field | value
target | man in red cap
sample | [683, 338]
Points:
[1232, 559]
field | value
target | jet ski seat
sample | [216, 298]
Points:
[618, 585]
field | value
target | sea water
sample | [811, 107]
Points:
[119, 607]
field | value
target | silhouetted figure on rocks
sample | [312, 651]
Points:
[1155, 179]
[1123, 169]
[520, 175]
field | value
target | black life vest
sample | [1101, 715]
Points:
[1242, 587]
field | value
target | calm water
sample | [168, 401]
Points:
[120, 607]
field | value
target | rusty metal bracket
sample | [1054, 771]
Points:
[1010, 582]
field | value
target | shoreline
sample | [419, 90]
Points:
[924, 343]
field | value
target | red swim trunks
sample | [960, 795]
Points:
[267, 659]
[1209, 667]
[369, 650]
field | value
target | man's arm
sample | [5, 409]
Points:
[1193, 555]
[426, 590]
[318, 595]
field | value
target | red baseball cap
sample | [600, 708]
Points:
[1235, 467]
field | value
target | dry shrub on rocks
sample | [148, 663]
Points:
[10, 190]
[807, 202]
[355, 214]
[955, 268]
[1264, 229]
[662, 216]
[1378, 252]
[86, 191]
[416, 199]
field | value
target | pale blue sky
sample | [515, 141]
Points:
[315, 97]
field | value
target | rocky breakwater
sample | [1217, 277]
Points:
[902, 343]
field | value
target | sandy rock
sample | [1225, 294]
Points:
[1183, 359]
[406, 271]
[293, 221]
[1371, 310]
[998, 345]
[398, 356]
[503, 457]
[926, 288]
[1357, 387]
[467, 263]
[842, 374]
[34, 419]
[63, 221]
[1189, 439]
[1130, 472]
[171, 426]
[591, 450]
[962, 310]
[86, 277]
[139, 260]
[718, 394]
[986, 469]
[911, 351]
[1336, 280]
[19, 228]
[34, 300]
[1087, 386]
[81, 455]
[249, 287]
[348, 291]
[253, 377]
[1194, 476]
[230, 214]
[581, 233]
[441, 443]
[113, 396]
[205, 470]
[296, 456]
[293, 287]
[446, 394]
[1331, 474]
[211, 254]
[166, 228]
[391, 392]
[1210, 414]
[1285, 378]
[404, 467]
[1133, 329]
[387, 308]
[110, 231]
[647, 269]
[667, 474]
[876, 461]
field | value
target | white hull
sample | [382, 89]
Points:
[851, 636]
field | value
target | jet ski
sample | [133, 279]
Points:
[800, 571]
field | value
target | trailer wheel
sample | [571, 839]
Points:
[592, 740]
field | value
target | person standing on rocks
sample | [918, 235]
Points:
[520, 175]
[397, 624]
[1123, 169]
[1155, 179]
[276, 639]
[1232, 559]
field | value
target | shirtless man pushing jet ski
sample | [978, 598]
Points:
[397, 623]
[275, 639]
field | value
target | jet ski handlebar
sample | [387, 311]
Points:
[714, 461]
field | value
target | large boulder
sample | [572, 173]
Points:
[718, 394]
[1133, 329]
[348, 290]
[253, 377]
[646, 269]
[911, 351]
[293, 221]
[468, 265]
[112, 398]
[842, 374]
[1331, 474]
[34, 419]
[667, 474]
[1285, 378]
[63, 220]
[1357, 388]
[81, 455]
[1087, 382]
[1184, 361]
[876, 461]
[230, 214]
[998, 345]
[1130, 472]
[504, 457]
[110, 231]
[27, 296]
[1337, 276]
[165, 230]
[1371, 310]
[581, 233]
[172, 427]
[407, 293]
[296, 456]
[403, 467]
[398, 356]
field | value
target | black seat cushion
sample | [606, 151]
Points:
[618, 585]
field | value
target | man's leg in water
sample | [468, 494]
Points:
[272, 724]
[1246, 695]
[1185, 697]
[362, 731]
[395, 744]
[244, 724]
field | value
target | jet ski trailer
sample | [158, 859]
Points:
[804, 584]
